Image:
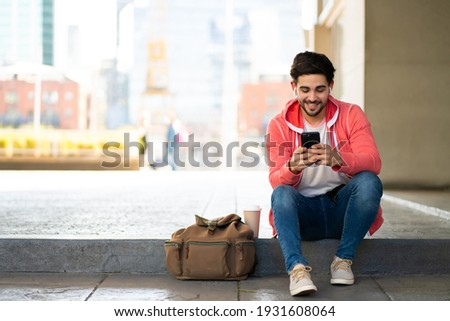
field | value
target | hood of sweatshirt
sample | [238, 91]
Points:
[293, 119]
[291, 114]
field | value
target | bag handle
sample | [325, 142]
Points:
[216, 222]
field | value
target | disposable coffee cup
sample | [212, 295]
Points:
[252, 215]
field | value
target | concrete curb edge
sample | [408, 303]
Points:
[374, 257]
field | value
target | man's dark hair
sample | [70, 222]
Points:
[310, 63]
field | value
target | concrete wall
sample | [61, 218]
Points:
[339, 34]
[407, 87]
[347, 52]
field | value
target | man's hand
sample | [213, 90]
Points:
[322, 154]
[319, 154]
[299, 160]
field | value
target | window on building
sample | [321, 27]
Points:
[68, 112]
[11, 98]
[50, 97]
[68, 96]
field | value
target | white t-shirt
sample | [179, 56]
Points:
[319, 179]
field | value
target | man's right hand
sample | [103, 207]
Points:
[299, 160]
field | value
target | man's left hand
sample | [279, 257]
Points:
[323, 154]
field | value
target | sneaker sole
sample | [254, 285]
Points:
[342, 281]
[304, 290]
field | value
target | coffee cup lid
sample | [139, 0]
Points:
[252, 208]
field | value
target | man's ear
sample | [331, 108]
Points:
[293, 85]
[331, 85]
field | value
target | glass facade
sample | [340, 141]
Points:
[47, 32]
[26, 31]
[266, 36]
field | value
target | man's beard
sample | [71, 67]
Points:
[315, 112]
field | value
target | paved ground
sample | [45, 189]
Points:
[153, 204]
[149, 204]
[154, 287]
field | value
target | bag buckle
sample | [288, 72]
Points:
[212, 226]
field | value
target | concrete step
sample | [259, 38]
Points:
[374, 257]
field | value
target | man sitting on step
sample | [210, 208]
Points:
[330, 189]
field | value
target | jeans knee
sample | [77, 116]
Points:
[282, 191]
[368, 185]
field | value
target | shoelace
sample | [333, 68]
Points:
[342, 264]
[301, 272]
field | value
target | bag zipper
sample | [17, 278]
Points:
[240, 248]
[178, 247]
[203, 244]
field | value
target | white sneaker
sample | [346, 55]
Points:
[341, 272]
[301, 283]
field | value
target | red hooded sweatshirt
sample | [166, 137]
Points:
[350, 133]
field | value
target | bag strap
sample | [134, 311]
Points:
[216, 222]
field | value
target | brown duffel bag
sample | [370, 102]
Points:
[218, 249]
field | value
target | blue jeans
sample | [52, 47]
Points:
[347, 216]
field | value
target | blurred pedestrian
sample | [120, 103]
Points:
[174, 137]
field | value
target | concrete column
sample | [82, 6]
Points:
[406, 89]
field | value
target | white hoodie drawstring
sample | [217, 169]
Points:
[335, 140]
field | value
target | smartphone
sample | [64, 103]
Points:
[310, 138]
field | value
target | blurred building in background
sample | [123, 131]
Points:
[26, 31]
[32, 91]
[259, 102]
[175, 59]
[168, 57]
[115, 84]
[34, 95]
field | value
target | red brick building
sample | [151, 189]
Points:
[258, 104]
[59, 102]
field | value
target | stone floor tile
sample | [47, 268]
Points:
[276, 288]
[417, 287]
[157, 287]
[47, 286]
